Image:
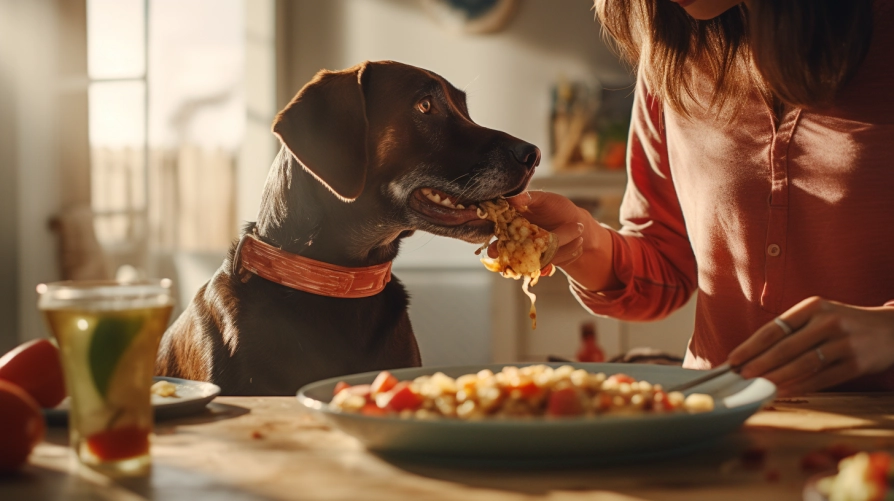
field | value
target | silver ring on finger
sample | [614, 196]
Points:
[821, 357]
[786, 328]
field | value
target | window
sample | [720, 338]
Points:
[167, 119]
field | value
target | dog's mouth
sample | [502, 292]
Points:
[456, 216]
[444, 209]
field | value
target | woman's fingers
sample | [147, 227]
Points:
[831, 343]
[811, 361]
[521, 201]
[568, 233]
[818, 330]
[568, 253]
[837, 373]
[545, 209]
[771, 332]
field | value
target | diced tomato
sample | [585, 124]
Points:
[119, 443]
[383, 382]
[621, 378]
[373, 410]
[401, 397]
[341, 385]
[605, 401]
[662, 402]
[564, 402]
[527, 389]
[879, 464]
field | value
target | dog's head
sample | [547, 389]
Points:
[394, 139]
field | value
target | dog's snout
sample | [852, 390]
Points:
[526, 154]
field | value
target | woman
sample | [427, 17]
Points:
[761, 170]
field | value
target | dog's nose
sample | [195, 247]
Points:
[526, 154]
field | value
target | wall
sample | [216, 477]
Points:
[43, 117]
[259, 146]
[507, 75]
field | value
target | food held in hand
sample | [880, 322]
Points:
[862, 477]
[523, 248]
[518, 392]
[21, 426]
[35, 367]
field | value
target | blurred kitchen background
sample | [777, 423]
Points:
[134, 141]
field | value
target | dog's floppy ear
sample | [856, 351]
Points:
[325, 127]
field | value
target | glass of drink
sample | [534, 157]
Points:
[108, 335]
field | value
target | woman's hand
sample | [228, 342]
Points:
[831, 343]
[585, 247]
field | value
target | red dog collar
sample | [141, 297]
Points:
[308, 275]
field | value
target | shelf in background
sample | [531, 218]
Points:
[594, 183]
[598, 191]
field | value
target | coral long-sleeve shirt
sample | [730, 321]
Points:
[760, 213]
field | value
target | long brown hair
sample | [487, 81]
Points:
[798, 52]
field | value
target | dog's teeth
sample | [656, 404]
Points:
[446, 202]
[473, 206]
[435, 198]
[426, 191]
[460, 206]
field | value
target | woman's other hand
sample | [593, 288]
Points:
[831, 343]
[585, 247]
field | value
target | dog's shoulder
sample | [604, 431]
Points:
[196, 342]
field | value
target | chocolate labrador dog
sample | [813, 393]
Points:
[369, 155]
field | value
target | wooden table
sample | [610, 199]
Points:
[269, 449]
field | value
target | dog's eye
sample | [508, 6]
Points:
[424, 106]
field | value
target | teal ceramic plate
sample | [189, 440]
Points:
[542, 439]
[192, 397]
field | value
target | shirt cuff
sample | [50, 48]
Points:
[609, 303]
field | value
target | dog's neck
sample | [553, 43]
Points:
[300, 215]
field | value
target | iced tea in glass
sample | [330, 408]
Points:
[108, 335]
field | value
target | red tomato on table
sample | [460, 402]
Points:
[35, 367]
[21, 426]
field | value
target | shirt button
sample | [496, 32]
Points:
[773, 250]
